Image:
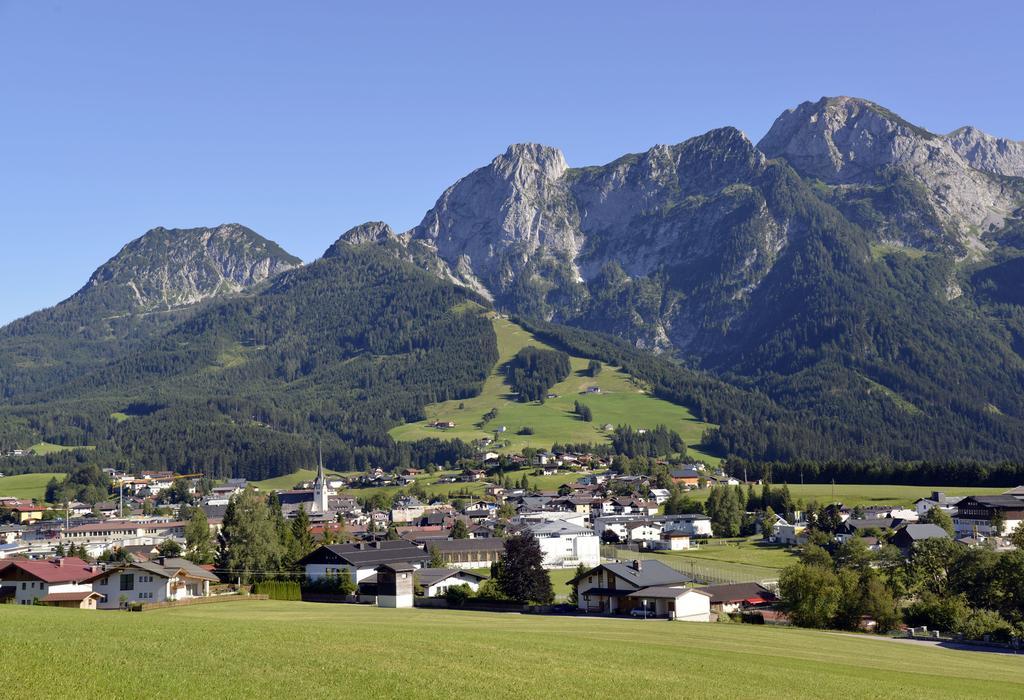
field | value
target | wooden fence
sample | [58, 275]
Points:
[202, 601]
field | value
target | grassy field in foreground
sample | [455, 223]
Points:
[620, 402]
[270, 649]
[27, 485]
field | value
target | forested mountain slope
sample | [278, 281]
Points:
[154, 282]
[337, 351]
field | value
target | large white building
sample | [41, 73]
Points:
[566, 545]
[25, 581]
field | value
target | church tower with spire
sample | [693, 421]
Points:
[320, 504]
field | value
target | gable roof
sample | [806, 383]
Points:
[477, 544]
[361, 554]
[558, 527]
[738, 593]
[50, 570]
[665, 592]
[428, 577]
[916, 532]
[163, 567]
[652, 573]
[1001, 501]
[73, 596]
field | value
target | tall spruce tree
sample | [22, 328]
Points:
[198, 543]
[251, 542]
[522, 576]
[302, 538]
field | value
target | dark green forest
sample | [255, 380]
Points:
[532, 372]
[336, 352]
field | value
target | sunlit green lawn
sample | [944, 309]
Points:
[307, 650]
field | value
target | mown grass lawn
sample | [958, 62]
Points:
[620, 402]
[27, 485]
[749, 551]
[306, 650]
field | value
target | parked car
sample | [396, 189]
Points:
[641, 612]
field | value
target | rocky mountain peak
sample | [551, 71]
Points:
[369, 232]
[988, 153]
[530, 160]
[168, 268]
[850, 141]
[494, 219]
[843, 139]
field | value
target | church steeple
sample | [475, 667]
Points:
[320, 504]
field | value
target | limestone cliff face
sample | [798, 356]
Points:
[673, 247]
[488, 225]
[853, 143]
[545, 240]
[988, 153]
[170, 268]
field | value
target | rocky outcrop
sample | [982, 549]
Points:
[170, 268]
[489, 224]
[671, 247]
[538, 237]
[988, 153]
[852, 142]
[370, 232]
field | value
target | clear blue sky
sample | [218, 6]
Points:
[300, 119]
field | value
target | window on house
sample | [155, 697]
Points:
[127, 582]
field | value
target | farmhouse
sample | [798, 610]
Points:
[25, 581]
[157, 581]
[937, 500]
[360, 559]
[605, 587]
[25, 511]
[687, 476]
[974, 514]
[906, 535]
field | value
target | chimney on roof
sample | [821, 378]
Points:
[362, 545]
[376, 544]
[59, 561]
[937, 496]
[638, 565]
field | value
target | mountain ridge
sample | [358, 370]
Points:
[843, 289]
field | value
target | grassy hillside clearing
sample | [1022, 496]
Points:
[288, 481]
[868, 494]
[271, 648]
[27, 485]
[46, 448]
[621, 401]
